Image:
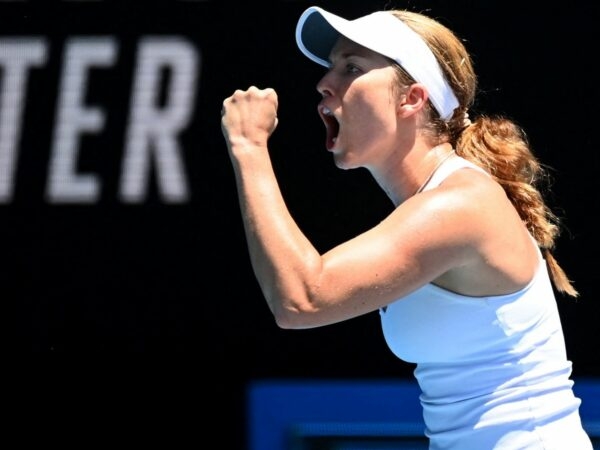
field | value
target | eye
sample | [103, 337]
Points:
[352, 69]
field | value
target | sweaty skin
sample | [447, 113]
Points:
[462, 235]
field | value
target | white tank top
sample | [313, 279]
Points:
[493, 371]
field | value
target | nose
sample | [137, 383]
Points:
[324, 86]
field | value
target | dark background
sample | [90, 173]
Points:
[143, 323]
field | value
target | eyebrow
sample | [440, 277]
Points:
[347, 55]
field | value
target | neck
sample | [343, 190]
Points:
[440, 161]
[409, 174]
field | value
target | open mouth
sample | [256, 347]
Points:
[332, 127]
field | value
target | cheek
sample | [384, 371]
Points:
[379, 113]
[373, 127]
[370, 107]
[377, 102]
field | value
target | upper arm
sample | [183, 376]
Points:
[420, 240]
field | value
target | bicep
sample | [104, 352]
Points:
[414, 245]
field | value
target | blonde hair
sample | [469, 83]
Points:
[494, 143]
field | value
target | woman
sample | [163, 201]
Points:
[461, 271]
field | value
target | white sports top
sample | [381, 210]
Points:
[493, 371]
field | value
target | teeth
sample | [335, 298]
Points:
[327, 111]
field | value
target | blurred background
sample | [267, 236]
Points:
[133, 315]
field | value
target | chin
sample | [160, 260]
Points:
[342, 163]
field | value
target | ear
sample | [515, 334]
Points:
[413, 100]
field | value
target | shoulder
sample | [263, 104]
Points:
[461, 215]
[481, 230]
[449, 221]
[466, 194]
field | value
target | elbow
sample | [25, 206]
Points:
[297, 305]
[295, 317]
[283, 322]
[289, 320]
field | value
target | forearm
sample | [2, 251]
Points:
[285, 263]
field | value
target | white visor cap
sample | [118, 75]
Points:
[318, 30]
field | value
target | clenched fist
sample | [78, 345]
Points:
[249, 117]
